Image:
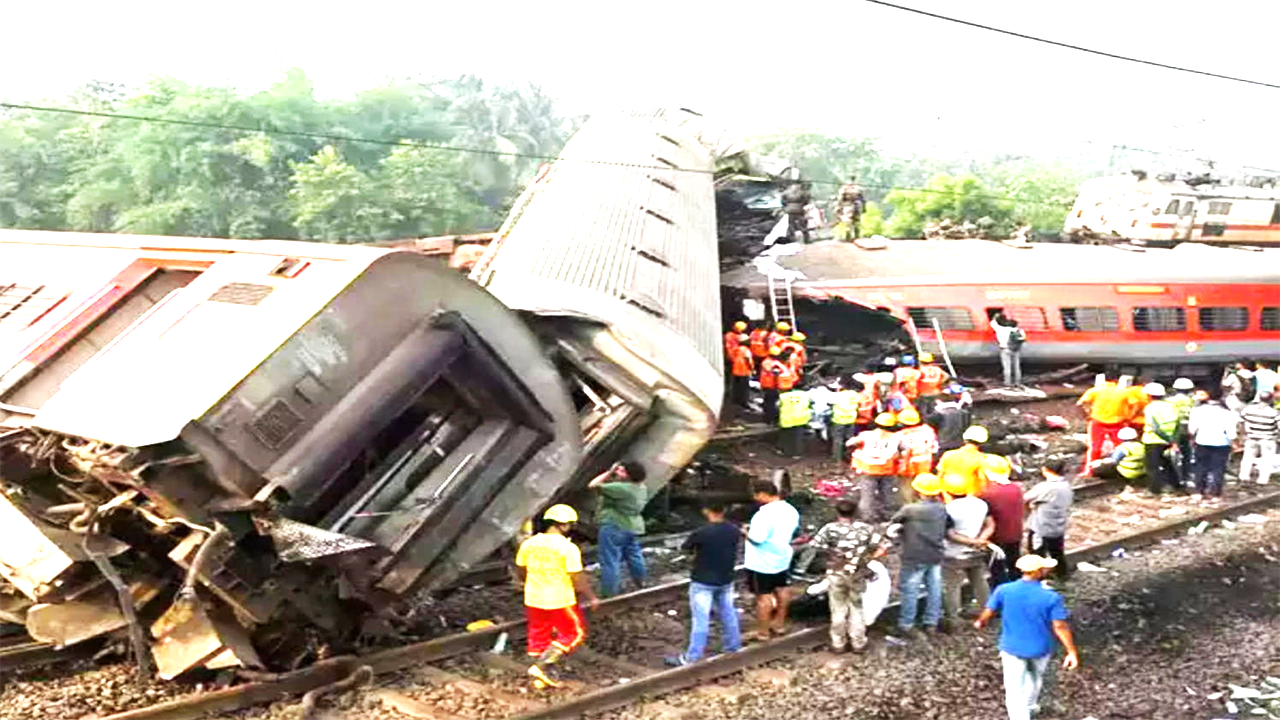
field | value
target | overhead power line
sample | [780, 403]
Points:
[1070, 46]
[335, 137]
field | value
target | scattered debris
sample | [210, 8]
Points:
[1252, 519]
[1089, 567]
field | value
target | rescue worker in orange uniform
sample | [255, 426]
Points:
[771, 369]
[1138, 400]
[866, 407]
[919, 443]
[731, 343]
[875, 460]
[906, 378]
[932, 377]
[794, 352]
[888, 398]
[743, 366]
[969, 462]
[759, 341]
[780, 333]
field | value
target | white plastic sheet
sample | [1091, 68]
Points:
[876, 596]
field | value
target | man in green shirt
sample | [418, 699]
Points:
[622, 498]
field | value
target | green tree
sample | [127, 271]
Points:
[328, 200]
[873, 222]
[958, 199]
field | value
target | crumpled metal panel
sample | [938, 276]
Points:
[297, 541]
[621, 229]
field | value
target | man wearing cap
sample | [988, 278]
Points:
[965, 552]
[1005, 505]
[923, 531]
[1127, 462]
[875, 463]
[1159, 431]
[550, 566]
[1031, 615]
[742, 366]
[967, 461]
[1050, 506]
[1183, 401]
[771, 369]
[781, 331]
[732, 340]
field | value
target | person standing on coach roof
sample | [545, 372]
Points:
[715, 550]
[1031, 615]
[1050, 506]
[768, 557]
[550, 566]
[622, 499]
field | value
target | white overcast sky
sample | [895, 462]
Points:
[844, 66]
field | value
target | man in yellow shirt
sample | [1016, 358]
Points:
[969, 462]
[1108, 406]
[551, 567]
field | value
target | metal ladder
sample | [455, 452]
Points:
[781, 303]
[931, 334]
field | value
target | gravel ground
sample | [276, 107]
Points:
[1161, 634]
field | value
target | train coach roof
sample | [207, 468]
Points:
[967, 262]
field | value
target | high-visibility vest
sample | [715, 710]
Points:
[730, 343]
[758, 340]
[788, 378]
[1133, 465]
[742, 363]
[931, 379]
[1161, 419]
[907, 380]
[793, 409]
[770, 370]
[920, 443]
[775, 339]
[877, 454]
[798, 354]
[1184, 403]
[844, 407]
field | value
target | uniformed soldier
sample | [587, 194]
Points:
[849, 204]
[794, 201]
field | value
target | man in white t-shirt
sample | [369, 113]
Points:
[1010, 338]
[1264, 379]
[767, 555]
[965, 554]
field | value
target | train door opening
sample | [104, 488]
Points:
[1186, 222]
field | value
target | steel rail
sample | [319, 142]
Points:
[327, 672]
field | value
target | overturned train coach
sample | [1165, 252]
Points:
[238, 447]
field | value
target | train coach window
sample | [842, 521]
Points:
[1224, 318]
[1159, 319]
[1271, 318]
[1090, 319]
[1172, 209]
[1219, 207]
[949, 318]
[1031, 319]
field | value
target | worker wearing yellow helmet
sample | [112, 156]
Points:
[920, 445]
[932, 377]
[922, 528]
[771, 369]
[967, 461]
[874, 463]
[1005, 506]
[780, 332]
[965, 553]
[732, 341]
[550, 566]
[794, 351]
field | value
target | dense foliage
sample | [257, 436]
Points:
[63, 171]
[1008, 190]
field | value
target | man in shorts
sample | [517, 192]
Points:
[768, 557]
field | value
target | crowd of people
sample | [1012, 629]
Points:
[928, 487]
[1181, 441]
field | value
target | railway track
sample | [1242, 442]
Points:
[339, 674]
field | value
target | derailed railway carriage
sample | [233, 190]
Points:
[252, 444]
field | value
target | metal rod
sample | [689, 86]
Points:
[942, 345]
[142, 653]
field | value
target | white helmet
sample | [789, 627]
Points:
[1183, 384]
[1127, 433]
[884, 377]
[1153, 389]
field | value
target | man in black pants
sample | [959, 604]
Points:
[1050, 505]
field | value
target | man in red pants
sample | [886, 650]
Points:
[551, 567]
[1109, 408]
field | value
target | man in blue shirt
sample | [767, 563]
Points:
[768, 557]
[1030, 616]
